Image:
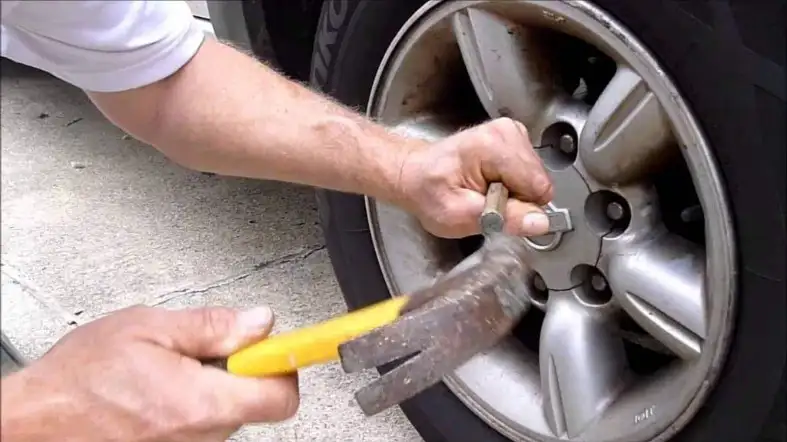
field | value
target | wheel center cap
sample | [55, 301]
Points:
[556, 254]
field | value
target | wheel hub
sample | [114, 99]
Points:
[554, 255]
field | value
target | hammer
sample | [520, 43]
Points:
[469, 310]
[438, 328]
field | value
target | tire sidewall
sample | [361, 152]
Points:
[352, 39]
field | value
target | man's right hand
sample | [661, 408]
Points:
[134, 376]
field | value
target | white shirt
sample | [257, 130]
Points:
[100, 45]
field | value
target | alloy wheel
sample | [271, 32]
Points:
[627, 339]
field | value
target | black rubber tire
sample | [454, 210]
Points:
[728, 60]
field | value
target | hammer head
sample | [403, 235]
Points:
[467, 311]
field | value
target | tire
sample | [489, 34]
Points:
[728, 59]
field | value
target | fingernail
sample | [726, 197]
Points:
[535, 223]
[256, 319]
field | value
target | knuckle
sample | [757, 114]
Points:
[521, 128]
[485, 136]
[217, 321]
[504, 132]
[135, 311]
[506, 123]
[502, 128]
[128, 321]
[510, 127]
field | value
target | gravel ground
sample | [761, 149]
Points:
[93, 221]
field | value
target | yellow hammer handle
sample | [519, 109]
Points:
[289, 351]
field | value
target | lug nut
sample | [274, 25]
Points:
[566, 144]
[598, 283]
[691, 214]
[616, 211]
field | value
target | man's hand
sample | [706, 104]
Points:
[134, 376]
[445, 183]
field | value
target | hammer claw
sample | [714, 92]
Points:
[410, 378]
[382, 346]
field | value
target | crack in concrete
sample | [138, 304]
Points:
[72, 319]
[290, 257]
[190, 291]
[49, 302]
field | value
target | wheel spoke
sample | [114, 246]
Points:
[509, 68]
[627, 132]
[661, 285]
[583, 366]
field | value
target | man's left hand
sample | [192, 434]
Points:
[445, 183]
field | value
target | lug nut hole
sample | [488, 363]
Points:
[607, 213]
[539, 292]
[558, 146]
[592, 286]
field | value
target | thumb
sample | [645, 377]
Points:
[212, 332]
[525, 219]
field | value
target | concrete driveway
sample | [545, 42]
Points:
[93, 221]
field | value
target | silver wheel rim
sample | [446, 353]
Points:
[579, 385]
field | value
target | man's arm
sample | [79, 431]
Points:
[212, 108]
[250, 121]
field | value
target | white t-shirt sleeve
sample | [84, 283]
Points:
[101, 45]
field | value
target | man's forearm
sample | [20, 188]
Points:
[225, 112]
